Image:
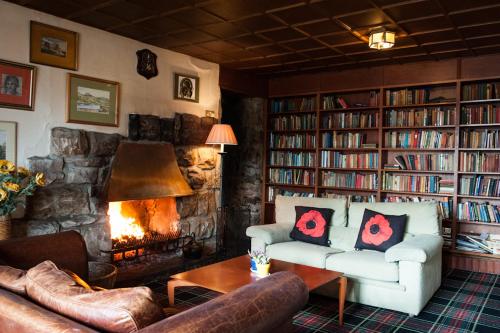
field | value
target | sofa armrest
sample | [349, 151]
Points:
[262, 306]
[270, 233]
[66, 249]
[420, 248]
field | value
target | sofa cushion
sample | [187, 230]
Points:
[311, 225]
[343, 238]
[117, 310]
[367, 264]
[380, 231]
[13, 279]
[285, 208]
[422, 216]
[301, 253]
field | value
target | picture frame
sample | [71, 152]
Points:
[93, 101]
[53, 46]
[17, 85]
[186, 87]
[8, 141]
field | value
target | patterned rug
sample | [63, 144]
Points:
[466, 302]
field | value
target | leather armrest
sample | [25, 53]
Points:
[270, 233]
[420, 248]
[258, 307]
[66, 249]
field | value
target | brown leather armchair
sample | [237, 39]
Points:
[266, 305]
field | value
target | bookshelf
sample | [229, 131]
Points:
[436, 141]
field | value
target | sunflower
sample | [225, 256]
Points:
[3, 195]
[23, 172]
[6, 166]
[40, 179]
[12, 187]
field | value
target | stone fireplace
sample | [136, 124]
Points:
[76, 198]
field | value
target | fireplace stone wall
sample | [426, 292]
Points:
[76, 170]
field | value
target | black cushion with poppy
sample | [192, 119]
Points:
[379, 232]
[311, 225]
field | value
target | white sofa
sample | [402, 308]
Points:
[403, 278]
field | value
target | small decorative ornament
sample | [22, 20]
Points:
[146, 63]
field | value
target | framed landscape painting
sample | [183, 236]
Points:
[93, 101]
[53, 46]
[17, 85]
[8, 138]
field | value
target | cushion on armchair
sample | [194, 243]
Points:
[311, 225]
[117, 310]
[13, 279]
[379, 232]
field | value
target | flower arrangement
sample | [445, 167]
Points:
[259, 257]
[16, 182]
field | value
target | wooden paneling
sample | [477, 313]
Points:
[297, 84]
[242, 82]
[426, 71]
[471, 263]
[352, 79]
[479, 67]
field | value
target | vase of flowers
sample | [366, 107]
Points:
[15, 183]
[260, 263]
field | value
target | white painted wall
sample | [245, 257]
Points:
[102, 55]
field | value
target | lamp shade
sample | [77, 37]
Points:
[221, 134]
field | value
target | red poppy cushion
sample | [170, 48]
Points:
[311, 225]
[379, 232]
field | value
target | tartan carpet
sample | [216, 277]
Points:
[466, 302]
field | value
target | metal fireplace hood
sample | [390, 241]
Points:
[145, 171]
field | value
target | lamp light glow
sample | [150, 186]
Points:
[382, 39]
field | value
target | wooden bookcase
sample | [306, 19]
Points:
[359, 133]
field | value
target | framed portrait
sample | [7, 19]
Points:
[17, 85]
[93, 101]
[53, 46]
[8, 141]
[186, 87]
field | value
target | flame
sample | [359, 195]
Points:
[122, 226]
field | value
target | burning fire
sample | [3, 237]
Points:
[122, 226]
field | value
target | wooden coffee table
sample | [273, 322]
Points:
[232, 274]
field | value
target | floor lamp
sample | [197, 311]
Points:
[221, 134]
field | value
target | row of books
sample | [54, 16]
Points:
[286, 158]
[479, 162]
[272, 192]
[349, 120]
[292, 177]
[349, 180]
[425, 162]
[420, 117]
[478, 211]
[419, 139]
[478, 91]
[334, 159]
[342, 140]
[334, 102]
[350, 197]
[407, 96]
[480, 139]
[301, 141]
[292, 105]
[445, 205]
[480, 114]
[293, 122]
[409, 183]
[447, 237]
[480, 186]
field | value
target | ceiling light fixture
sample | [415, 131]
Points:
[381, 39]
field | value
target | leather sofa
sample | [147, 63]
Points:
[403, 278]
[267, 305]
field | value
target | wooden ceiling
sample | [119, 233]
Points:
[275, 37]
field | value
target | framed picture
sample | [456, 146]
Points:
[8, 141]
[17, 85]
[186, 87]
[53, 46]
[93, 101]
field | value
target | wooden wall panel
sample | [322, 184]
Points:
[480, 67]
[469, 263]
[352, 79]
[297, 84]
[420, 72]
[242, 82]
